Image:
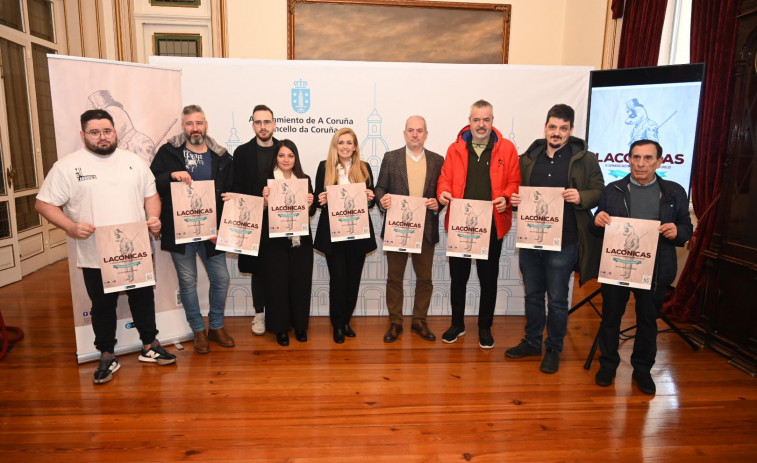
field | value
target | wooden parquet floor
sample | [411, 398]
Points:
[363, 401]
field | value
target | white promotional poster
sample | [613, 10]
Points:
[629, 250]
[288, 207]
[348, 212]
[241, 224]
[540, 218]
[144, 116]
[125, 256]
[665, 113]
[470, 227]
[194, 207]
[405, 222]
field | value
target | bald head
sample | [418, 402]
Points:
[415, 133]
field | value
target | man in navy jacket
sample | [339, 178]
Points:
[641, 195]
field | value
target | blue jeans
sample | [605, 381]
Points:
[218, 274]
[547, 272]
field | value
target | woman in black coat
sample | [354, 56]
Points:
[288, 261]
[345, 259]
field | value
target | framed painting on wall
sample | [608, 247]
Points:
[404, 31]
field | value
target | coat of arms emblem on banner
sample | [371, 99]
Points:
[301, 96]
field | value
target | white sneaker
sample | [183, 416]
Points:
[258, 324]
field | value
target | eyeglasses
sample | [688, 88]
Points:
[97, 133]
[259, 123]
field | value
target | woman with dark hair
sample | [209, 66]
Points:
[345, 259]
[288, 261]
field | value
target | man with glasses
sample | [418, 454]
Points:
[252, 162]
[189, 156]
[482, 165]
[102, 185]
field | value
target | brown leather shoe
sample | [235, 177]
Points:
[395, 330]
[420, 328]
[201, 342]
[221, 337]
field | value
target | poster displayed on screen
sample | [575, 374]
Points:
[659, 104]
[470, 224]
[288, 207]
[348, 212]
[194, 209]
[629, 249]
[241, 222]
[125, 256]
[405, 221]
[539, 214]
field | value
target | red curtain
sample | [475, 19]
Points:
[713, 42]
[642, 33]
[617, 9]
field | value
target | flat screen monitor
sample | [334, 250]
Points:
[659, 103]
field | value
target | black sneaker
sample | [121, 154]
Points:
[523, 349]
[453, 333]
[645, 382]
[157, 354]
[485, 339]
[551, 362]
[108, 365]
[604, 377]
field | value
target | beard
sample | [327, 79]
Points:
[110, 149]
[265, 137]
[196, 138]
[556, 143]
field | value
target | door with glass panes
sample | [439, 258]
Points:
[27, 137]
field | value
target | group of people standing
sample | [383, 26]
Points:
[480, 164]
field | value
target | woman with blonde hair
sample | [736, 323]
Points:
[345, 259]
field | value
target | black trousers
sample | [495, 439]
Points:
[648, 306]
[104, 318]
[258, 284]
[345, 264]
[488, 272]
[289, 277]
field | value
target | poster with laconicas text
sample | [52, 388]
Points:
[288, 207]
[470, 224]
[629, 250]
[348, 212]
[241, 222]
[125, 256]
[540, 218]
[194, 211]
[405, 220]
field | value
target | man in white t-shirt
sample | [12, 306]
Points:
[101, 185]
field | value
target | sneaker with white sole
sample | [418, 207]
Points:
[157, 354]
[258, 324]
[108, 365]
[453, 333]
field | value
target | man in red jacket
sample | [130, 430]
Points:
[483, 165]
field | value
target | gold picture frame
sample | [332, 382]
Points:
[405, 31]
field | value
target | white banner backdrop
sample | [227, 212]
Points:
[312, 99]
[145, 102]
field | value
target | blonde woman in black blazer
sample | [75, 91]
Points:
[345, 259]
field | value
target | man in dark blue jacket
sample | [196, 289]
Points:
[641, 195]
